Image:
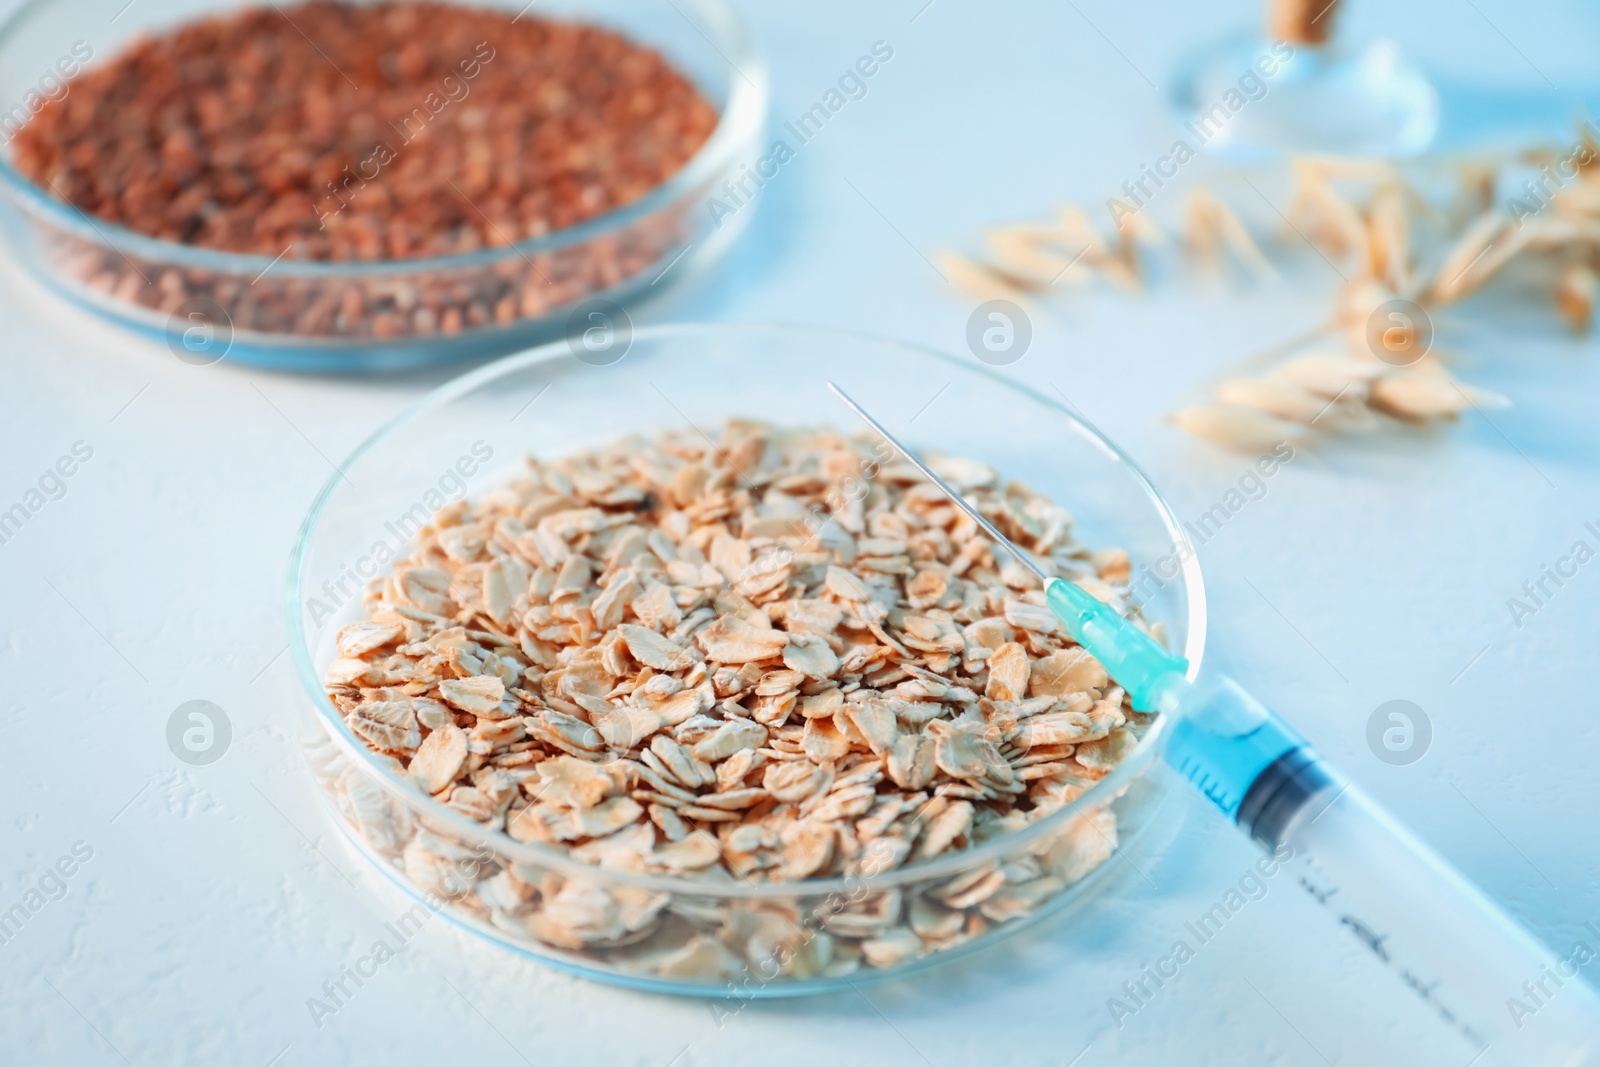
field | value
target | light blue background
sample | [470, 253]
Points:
[1368, 573]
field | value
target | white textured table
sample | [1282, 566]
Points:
[214, 901]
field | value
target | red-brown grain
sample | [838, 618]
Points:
[337, 131]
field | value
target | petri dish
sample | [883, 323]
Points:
[471, 433]
[208, 304]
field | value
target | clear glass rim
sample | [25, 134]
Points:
[740, 118]
[438, 813]
[1072, 899]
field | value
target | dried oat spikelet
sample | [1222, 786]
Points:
[1427, 390]
[1389, 238]
[1377, 218]
[979, 279]
[1353, 308]
[1234, 426]
[1588, 161]
[1119, 270]
[1297, 213]
[1417, 397]
[1462, 271]
[1328, 375]
[1025, 253]
[1332, 401]
[1326, 393]
[1580, 199]
[1138, 227]
[1476, 192]
[1483, 399]
[1552, 232]
[1279, 398]
[1076, 232]
[1321, 215]
[1212, 229]
[1133, 229]
[1221, 229]
[1341, 231]
[1575, 296]
[1340, 168]
[1200, 236]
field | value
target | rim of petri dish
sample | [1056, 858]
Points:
[1101, 794]
[739, 118]
[1074, 898]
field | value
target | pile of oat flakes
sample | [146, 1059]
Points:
[768, 659]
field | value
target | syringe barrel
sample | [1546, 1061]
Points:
[1485, 977]
[1224, 739]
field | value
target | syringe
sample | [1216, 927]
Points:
[1511, 1000]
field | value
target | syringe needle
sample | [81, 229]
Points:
[1138, 662]
[955, 498]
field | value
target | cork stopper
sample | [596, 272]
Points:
[1308, 22]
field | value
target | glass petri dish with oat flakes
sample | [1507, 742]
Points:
[347, 186]
[712, 695]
